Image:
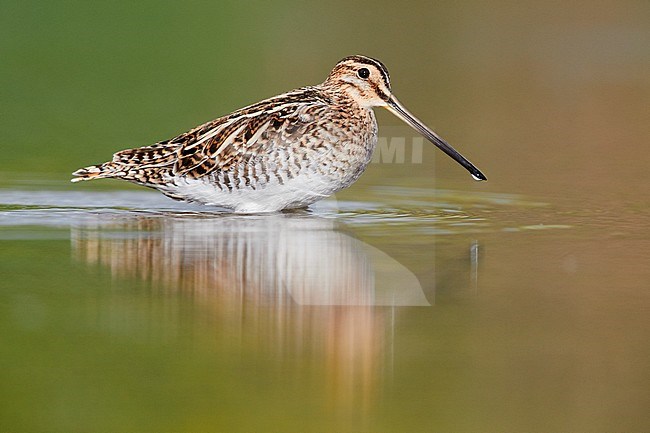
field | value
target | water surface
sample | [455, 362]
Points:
[431, 306]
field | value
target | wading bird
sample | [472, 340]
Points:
[285, 152]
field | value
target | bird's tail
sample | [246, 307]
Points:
[105, 170]
[143, 165]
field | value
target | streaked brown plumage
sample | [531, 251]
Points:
[281, 153]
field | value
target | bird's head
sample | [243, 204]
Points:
[363, 79]
[366, 81]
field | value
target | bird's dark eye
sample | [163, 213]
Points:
[363, 73]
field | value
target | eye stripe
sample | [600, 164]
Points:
[373, 62]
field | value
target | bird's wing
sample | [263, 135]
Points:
[164, 153]
[250, 133]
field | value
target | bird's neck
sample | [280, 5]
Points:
[343, 94]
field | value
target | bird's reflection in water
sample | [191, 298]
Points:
[292, 285]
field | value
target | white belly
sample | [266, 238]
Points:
[274, 196]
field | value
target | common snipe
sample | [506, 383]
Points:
[281, 153]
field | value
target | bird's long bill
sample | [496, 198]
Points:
[395, 107]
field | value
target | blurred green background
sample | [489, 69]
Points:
[560, 88]
[550, 99]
